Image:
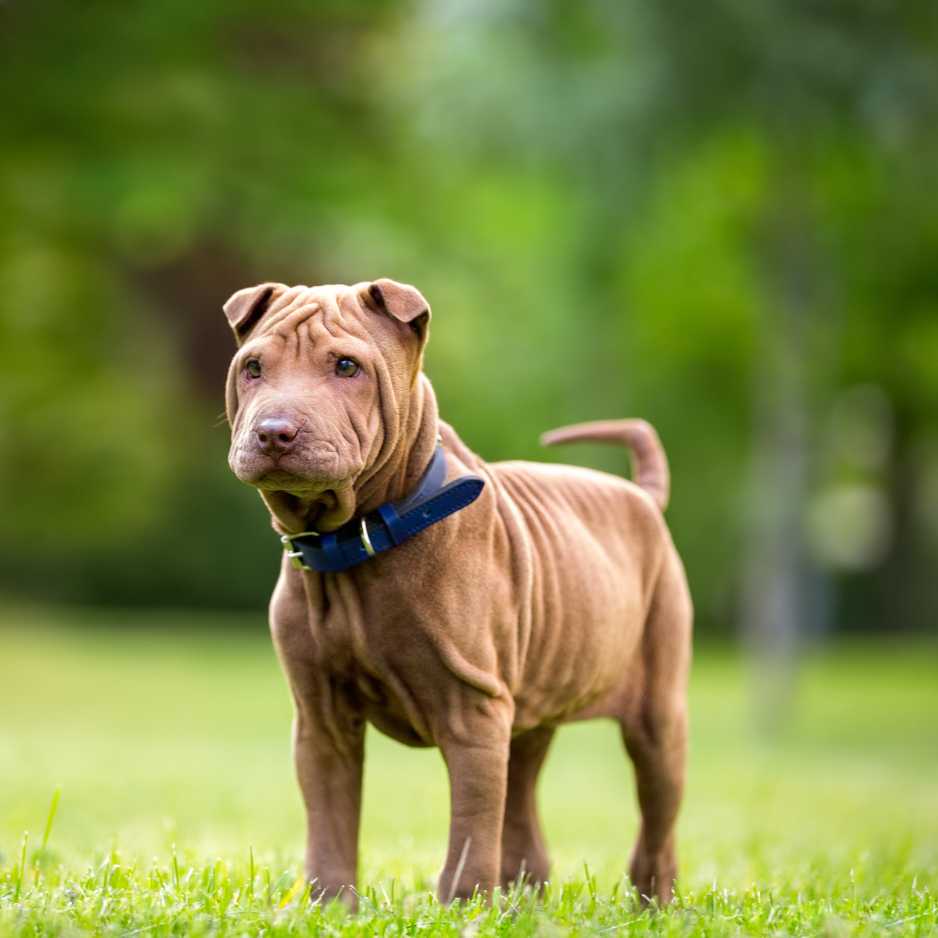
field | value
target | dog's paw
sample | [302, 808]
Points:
[653, 875]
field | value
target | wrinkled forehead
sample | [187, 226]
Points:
[312, 311]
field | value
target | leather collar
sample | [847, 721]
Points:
[388, 526]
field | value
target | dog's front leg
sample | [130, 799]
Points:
[329, 769]
[478, 776]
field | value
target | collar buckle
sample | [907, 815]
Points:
[296, 556]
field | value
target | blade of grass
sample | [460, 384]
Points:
[21, 869]
[459, 868]
[50, 820]
[293, 891]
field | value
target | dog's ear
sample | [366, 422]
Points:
[245, 308]
[401, 301]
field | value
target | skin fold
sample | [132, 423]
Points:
[556, 596]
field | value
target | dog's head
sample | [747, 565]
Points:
[319, 393]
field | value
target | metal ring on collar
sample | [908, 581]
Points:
[365, 539]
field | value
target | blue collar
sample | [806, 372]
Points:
[386, 527]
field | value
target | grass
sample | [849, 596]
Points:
[148, 758]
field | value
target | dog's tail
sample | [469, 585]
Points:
[650, 462]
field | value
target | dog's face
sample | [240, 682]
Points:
[318, 388]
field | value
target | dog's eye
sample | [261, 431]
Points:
[347, 368]
[253, 367]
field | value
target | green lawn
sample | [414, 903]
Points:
[168, 737]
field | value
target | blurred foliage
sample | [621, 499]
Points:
[720, 219]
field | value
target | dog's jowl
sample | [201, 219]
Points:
[448, 601]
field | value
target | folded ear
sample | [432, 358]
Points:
[245, 308]
[401, 301]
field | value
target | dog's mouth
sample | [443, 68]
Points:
[283, 479]
[304, 475]
[305, 491]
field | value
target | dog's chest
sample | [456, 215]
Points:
[372, 647]
[383, 707]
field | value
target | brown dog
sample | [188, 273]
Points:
[554, 594]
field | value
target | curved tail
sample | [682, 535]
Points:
[650, 462]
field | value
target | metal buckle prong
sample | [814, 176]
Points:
[296, 556]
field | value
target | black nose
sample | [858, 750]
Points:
[275, 435]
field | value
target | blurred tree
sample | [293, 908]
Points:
[709, 147]
[163, 155]
[711, 217]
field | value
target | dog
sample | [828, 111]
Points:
[448, 601]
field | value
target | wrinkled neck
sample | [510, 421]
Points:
[410, 453]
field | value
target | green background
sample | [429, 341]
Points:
[721, 219]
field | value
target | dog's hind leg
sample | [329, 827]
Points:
[654, 730]
[524, 852]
